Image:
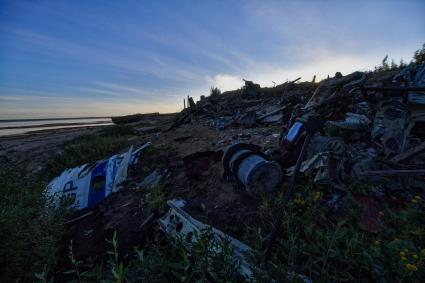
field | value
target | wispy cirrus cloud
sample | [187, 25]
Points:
[128, 59]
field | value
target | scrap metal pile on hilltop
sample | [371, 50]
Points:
[220, 155]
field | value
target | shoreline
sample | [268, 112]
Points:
[50, 119]
[34, 147]
[51, 130]
[53, 125]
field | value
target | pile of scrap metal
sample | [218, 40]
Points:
[251, 105]
[381, 124]
[347, 132]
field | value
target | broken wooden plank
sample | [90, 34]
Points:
[79, 218]
[408, 153]
[147, 220]
[415, 172]
[271, 113]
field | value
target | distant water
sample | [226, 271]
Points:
[14, 127]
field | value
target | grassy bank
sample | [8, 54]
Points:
[30, 230]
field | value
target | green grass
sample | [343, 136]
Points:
[90, 148]
[156, 199]
[118, 131]
[29, 230]
[328, 247]
[207, 260]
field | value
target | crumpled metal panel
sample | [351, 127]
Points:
[87, 185]
[352, 121]
[390, 125]
[324, 161]
[178, 224]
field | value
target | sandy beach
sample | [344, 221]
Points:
[34, 148]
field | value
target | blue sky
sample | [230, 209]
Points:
[95, 58]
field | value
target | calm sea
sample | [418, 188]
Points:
[14, 127]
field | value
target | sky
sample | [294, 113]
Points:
[105, 58]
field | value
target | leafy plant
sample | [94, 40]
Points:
[156, 199]
[419, 55]
[214, 91]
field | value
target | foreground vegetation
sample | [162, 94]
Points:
[315, 241]
[329, 244]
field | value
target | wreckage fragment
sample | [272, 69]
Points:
[251, 169]
[246, 119]
[330, 88]
[250, 90]
[294, 136]
[390, 125]
[324, 160]
[178, 224]
[352, 121]
[86, 185]
[152, 180]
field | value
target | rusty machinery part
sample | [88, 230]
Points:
[250, 167]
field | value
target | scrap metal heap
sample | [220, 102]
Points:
[341, 131]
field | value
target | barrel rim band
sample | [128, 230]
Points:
[235, 148]
[237, 164]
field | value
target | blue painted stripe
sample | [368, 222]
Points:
[96, 195]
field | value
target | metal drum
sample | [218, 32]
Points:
[250, 167]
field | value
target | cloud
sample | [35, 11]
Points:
[123, 88]
[104, 92]
[322, 66]
[224, 81]
[20, 94]
[121, 57]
